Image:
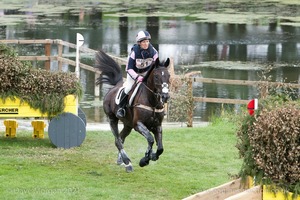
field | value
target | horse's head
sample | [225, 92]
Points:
[160, 78]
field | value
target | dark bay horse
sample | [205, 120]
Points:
[146, 112]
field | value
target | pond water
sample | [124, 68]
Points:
[219, 50]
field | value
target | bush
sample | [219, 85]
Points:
[269, 144]
[181, 103]
[41, 89]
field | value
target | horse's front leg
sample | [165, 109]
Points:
[158, 138]
[142, 129]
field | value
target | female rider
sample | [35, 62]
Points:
[142, 55]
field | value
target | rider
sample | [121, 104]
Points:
[142, 55]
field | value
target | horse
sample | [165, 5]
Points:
[146, 111]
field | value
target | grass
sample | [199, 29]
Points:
[194, 160]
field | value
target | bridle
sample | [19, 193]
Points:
[158, 96]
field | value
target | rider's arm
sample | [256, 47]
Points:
[131, 65]
[155, 56]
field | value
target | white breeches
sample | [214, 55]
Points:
[128, 84]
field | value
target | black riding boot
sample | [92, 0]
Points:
[121, 111]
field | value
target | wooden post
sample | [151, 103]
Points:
[60, 50]
[47, 53]
[97, 111]
[172, 73]
[191, 102]
[171, 67]
[97, 87]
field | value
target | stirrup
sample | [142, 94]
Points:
[121, 113]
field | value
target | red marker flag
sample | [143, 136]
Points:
[252, 106]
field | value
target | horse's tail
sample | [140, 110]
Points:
[111, 72]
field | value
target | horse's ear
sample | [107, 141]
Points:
[157, 62]
[167, 63]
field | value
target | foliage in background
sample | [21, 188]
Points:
[225, 115]
[282, 91]
[269, 141]
[41, 89]
[181, 103]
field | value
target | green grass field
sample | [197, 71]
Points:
[194, 160]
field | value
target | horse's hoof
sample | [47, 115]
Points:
[129, 168]
[144, 162]
[154, 157]
[120, 161]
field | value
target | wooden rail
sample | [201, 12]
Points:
[243, 82]
[236, 82]
[60, 45]
[264, 91]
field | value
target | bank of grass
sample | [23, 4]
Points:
[194, 159]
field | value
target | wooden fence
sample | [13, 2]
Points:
[48, 45]
[190, 79]
[263, 93]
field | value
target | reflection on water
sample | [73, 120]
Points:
[188, 42]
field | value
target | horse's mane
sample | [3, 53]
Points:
[153, 65]
[149, 72]
[111, 72]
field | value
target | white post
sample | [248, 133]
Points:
[79, 43]
[97, 87]
[255, 104]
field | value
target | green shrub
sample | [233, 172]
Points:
[181, 104]
[41, 89]
[269, 144]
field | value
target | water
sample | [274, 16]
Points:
[218, 50]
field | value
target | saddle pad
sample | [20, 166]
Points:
[134, 93]
[118, 95]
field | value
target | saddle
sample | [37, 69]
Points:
[131, 97]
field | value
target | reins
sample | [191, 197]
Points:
[154, 109]
[159, 108]
[155, 94]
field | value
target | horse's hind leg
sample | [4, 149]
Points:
[142, 129]
[119, 144]
[124, 133]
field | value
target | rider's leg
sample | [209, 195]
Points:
[122, 104]
[124, 96]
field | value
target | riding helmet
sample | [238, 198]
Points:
[143, 35]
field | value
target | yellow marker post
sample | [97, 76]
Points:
[38, 128]
[11, 127]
